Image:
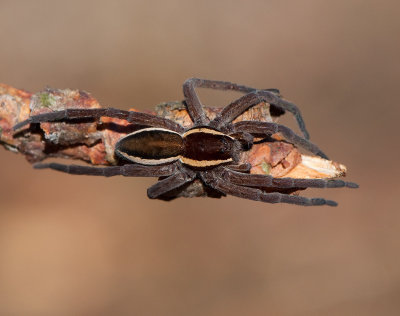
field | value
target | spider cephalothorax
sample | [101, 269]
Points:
[208, 151]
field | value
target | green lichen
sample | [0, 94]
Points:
[46, 99]
[266, 167]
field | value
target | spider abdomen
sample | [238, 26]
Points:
[151, 146]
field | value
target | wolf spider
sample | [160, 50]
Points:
[209, 150]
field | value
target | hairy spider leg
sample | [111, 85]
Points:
[131, 116]
[259, 180]
[245, 167]
[172, 182]
[225, 85]
[269, 128]
[214, 180]
[237, 107]
[193, 104]
[128, 170]
[271, 96]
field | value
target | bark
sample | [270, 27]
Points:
[93, 141]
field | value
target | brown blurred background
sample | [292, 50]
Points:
[74, 245]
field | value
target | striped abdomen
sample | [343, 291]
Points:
[198, 147]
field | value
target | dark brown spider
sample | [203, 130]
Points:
[208, 151]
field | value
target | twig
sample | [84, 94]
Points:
[93, 141]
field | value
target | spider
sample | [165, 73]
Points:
[209, 150]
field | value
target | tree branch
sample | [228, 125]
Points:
[93, 141]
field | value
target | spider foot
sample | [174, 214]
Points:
[352, 185]
[320, 201]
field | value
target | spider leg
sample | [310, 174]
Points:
[258, 180]
[226, 85]
[193, 103]
[131, 116]
[245, 167]
[174, 181]
[128, 170]
[269, 128]
[236, 108]
[213, 180]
